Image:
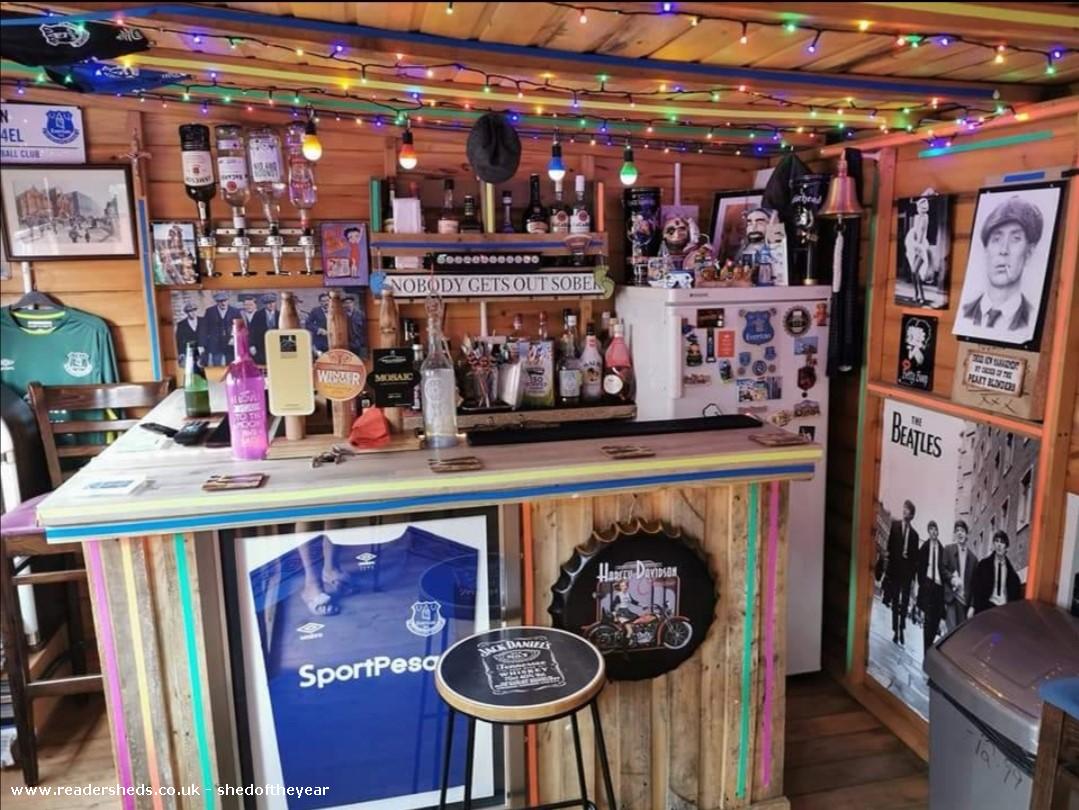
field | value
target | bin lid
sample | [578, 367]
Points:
[993, 665]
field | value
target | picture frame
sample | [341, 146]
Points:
[1013, 247]
[344, 252]
[56, 212]
[923, 256]
[175, 255]
[728, 227]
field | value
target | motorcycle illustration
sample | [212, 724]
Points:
[655, 628]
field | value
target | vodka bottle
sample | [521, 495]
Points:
[439, 391]
[570, 373]
[246, 390]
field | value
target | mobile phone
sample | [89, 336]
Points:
[154, 427]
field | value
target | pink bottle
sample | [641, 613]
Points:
[246, 390]
[618, 382]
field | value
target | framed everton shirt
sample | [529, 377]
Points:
[341, 630]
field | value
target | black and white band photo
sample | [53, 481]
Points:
[923, 256]
[952, 535]
[1010, 261]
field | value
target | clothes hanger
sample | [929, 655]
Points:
[33, 299]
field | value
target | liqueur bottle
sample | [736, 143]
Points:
[559, 217]
[581, 218]
[439, 391]
[470, 223]
[245, 388]
[198, 171]
[569, 365]
[447, 218]
[535, 218]
[591, 368]
[618, 382]
[196, 389]
[507, 212]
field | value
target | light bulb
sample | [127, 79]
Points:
[407, 157]
[556, 169]
[311, 145]
[628, 172]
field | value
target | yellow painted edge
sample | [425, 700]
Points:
[988, 12]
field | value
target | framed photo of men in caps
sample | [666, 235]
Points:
[1013, 243]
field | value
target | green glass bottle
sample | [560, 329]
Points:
[196, 389]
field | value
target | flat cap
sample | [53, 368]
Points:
[1025, 215]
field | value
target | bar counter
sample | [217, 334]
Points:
[708, 734]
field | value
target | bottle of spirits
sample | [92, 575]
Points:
[618, 382]
[246, 390]
[570, 373]
[591, 368]
[507, 212]
[196, 389]
[470, 223]
[391, 195]
[535, 219]
[417, 361]
[604, 330]
[235, 187]
[516, 338]
[439, 391]
[559, 217]
[447, 219]
[268, 181]
[302, 191]
[581, 219]
[542, 331]
[198, 167]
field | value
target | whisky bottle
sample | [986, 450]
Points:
[535, 218]
[447, 219]
[470, 223]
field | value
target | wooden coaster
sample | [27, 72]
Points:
[783, 439]
[452, 465]
[624, 451]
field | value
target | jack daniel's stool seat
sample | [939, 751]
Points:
[519, 675]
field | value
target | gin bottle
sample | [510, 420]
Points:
[439, 395]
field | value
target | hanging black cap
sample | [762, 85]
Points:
[494, 150]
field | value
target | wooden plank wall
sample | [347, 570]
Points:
[677, 741]
[352, 155]
[962, 175]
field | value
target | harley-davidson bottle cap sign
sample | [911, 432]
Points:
[641, 593]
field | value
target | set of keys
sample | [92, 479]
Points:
[335, 455]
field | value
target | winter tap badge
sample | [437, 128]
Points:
[641, 593]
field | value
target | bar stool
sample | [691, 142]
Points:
[519, 675]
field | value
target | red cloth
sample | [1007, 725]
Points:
[370, 430]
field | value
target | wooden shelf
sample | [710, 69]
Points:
[945, 405]
[465, 421]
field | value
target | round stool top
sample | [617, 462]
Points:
[520, 674]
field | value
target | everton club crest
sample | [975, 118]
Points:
[60, 126]
[426, 619]
[641, 593]
[759, 329]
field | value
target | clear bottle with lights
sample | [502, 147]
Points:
[267, 164]
[302, 191]
[235, 184]
[439, 381]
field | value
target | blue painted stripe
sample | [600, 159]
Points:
[291, 513]
[148, 289]
[991, 143]
[599, 60]
[1022, 177]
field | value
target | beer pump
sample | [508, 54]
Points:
[235, 188]
[199, 184]
[268, 178]
[302, 191]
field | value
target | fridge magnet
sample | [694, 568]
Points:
[752, 391]
[344, 253]
[725, 343]
[175, 256]
[774, 387]
[710, 318]
[917, 349]
[807, 407]
[807, 345]
[726, 374]
[807, 375]
[760, 368]
[696, 379]
[921, 278]
[796, 321]
[693, 351]
[820, 315]
[1011, 253]
[781, 418]
[770, 353]
[808, 432]
[758, 329]
[710, 346]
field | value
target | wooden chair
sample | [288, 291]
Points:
[519, 675]
[20, 536]
[1056, 771]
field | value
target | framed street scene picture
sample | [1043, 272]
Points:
[67, 212]
[1012, 247]
[924, 253]
[917, 351]
[729, 215]
[340, 631]
[952, 536]
[344, 253]
[175, 256]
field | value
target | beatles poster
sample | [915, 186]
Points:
[342, 631]
[924, 254]
[917, 352]
[952, 536]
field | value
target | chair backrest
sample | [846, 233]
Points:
[112, 396]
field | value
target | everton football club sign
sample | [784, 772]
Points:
[642, 593]
[41, 133]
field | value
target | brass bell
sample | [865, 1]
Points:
[842, 201]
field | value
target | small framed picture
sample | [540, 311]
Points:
[175, 255]
[729, 216]
[1012, 245]
[917, 351]
[344, 253]
[923, 258]
[67, 212]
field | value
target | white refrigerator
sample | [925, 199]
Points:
[755, 350]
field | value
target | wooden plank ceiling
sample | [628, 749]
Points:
[772, 73]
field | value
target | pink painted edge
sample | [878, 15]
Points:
[770, 632]
[107, 645]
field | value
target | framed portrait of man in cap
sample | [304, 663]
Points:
[1012, 247]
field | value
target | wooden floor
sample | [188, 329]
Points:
[838, 756]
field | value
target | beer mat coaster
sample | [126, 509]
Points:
[623, 451]
[451, 465]
[218, 483]
[783, 439]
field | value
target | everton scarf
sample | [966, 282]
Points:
[90, 77]
[62, 41]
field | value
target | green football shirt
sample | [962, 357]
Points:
[64, 347]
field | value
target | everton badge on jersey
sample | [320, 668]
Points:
[426, 619]
[759, 329]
